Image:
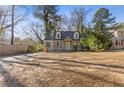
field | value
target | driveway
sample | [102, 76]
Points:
[76, 69]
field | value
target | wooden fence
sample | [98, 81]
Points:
[8, 50]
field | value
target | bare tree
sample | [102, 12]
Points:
[8, 20]
[78, 18]
[35, 31]
[4, 13]
[15, 20]
[67, 25]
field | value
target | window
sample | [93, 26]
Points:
[116, 43]
[121, 34]
[121, 42]
[58, 45]
[47, 44]
[76, 35]
[58, 35]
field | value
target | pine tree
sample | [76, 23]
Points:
[47, 14]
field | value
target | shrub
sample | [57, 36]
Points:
[30, 49]
[39, 47]
[97, 41]
[91, 42]
[35, 48]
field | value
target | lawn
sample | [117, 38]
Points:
[74, 69]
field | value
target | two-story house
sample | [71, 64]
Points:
[63, 40]
[118, 39]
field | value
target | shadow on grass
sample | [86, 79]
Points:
[65, 63]
[93, 77]
[9, 80]
[80, 62]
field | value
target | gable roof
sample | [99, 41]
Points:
[64, 34]
[121, 29]
[67, 38]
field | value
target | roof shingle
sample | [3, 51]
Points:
[64, 34]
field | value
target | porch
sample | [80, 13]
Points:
[60, 45]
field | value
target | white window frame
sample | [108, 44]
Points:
[76, 37]
[58, 35]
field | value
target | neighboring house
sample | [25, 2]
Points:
[63, 40]
[118, 39]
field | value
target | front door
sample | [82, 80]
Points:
[67, 45]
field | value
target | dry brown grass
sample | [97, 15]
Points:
[63, 69]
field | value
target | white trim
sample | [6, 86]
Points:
[76, 33]
[58, 35]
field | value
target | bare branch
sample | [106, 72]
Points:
[35, 31]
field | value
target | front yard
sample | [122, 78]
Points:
[63, 69]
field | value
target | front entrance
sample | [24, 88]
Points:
[67, 45]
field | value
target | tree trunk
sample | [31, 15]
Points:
[12, 28]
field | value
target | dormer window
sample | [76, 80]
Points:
[76, 35]
[58, 35]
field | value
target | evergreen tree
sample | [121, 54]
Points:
[100, 37]
[103, 20]
[47, 14]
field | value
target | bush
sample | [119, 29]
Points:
[97, 41]
[30, 49]
[92, 42]
[35, 48]
[39, 48]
